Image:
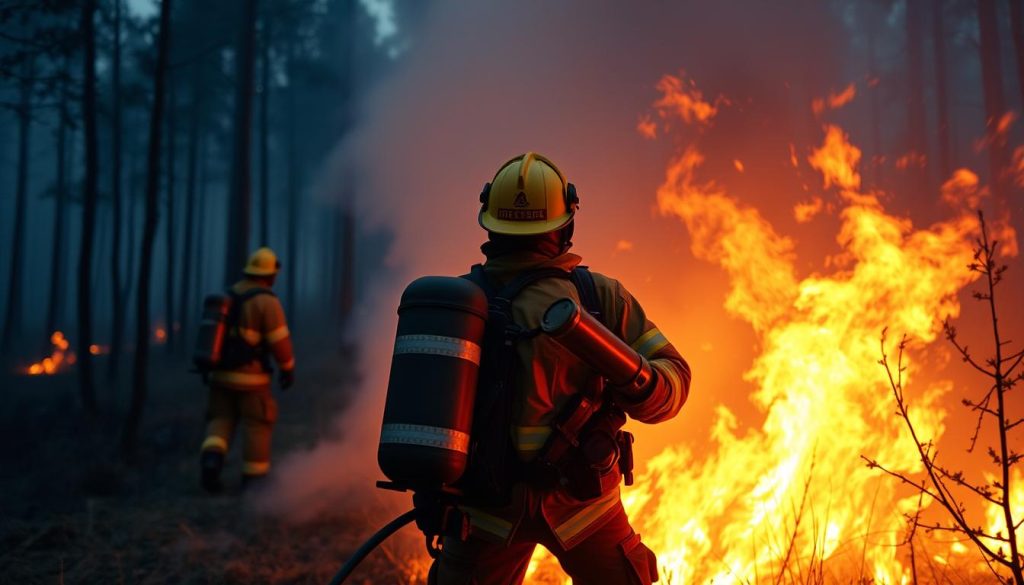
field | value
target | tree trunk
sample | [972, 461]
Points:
[59, 209]
[117, 309]
[172, 148]
[292, 269]
[917, 133]
[201, 220]
[1017, 23]
[184, 307]
[129, 437]
[265, 129]
[133, 199]
[13, 318]
[240, 207]
[89, 202]
[941, 88]
[995, 103]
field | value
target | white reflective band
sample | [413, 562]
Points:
[438, 345]
[425, 436]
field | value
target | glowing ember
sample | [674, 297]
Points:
[834, 100]
[160, 335]
[59, 357]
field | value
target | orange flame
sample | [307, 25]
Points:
[680, 97]
[160, 334]
[792, 491]
[59, 356]
[834, 101]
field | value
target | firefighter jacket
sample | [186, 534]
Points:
[549, 377]
[261, 325]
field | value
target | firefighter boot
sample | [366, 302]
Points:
[211, 463]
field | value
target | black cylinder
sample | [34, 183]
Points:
[593, 343]
[212, 332]
[424, 442]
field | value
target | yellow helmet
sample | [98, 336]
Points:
[262, 262]
[528, 196]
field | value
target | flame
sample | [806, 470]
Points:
[792, 494]
[834, 101]
[647, 128]
[160, 334]
[680, 97]
[805, 211]
[59, 357]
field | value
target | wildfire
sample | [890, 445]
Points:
[59, 357]
[835, 100]
[791, 498]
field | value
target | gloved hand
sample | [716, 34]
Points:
[638, 389]
[286, 378]
[437, 516]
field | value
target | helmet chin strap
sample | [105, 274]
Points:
[566, 236]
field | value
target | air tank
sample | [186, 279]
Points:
[428, 413]
[212, 331]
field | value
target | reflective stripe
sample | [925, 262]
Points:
[484, 521]
[587, 516]
[649, 343]
[276, 335]
[531, 438]
[438, 345]
[288, 365]
[251, 336]
[241, 378]
[255, 467]
[675, 385]
[442, 438]
[215, 443]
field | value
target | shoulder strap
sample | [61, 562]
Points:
[516, 286]
[587, 289]
[238, 299]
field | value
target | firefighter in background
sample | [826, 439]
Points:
[240, 383]
[528, 211]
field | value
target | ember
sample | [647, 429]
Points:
[58, 359]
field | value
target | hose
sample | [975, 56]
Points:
[372, 543]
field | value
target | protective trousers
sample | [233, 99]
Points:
[256, 410]
[613, 555]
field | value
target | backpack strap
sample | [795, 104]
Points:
[587, 289]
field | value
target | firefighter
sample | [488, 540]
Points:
[528, 211]
[240, 383]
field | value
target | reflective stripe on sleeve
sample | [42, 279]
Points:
[241, 378]
[215, 443]
[438, 345]
[649, 343]
[251, 336]
[255, 467]
[677, 389]
[277, 334]
[425, 436]
[531, 438]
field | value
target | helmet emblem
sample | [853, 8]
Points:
[520, 200]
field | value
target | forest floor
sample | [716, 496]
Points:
[71, 512]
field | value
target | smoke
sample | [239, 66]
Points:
[482, 82]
